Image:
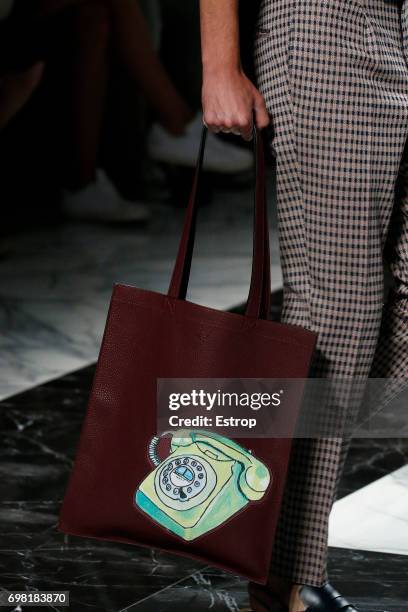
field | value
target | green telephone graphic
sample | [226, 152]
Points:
[205, 480]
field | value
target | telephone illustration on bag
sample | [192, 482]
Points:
[205, 480]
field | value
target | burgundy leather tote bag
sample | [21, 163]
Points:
[205, 496]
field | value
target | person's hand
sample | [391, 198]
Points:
[229, 101]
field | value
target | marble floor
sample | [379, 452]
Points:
[40, 429]
[55, 288]
[56, 282]
[374, 517]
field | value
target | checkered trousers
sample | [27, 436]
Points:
[334, 75]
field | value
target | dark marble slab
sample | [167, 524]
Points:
[370, 459]
[39, 433]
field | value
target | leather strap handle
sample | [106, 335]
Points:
[258, 303]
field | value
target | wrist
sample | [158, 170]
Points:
[221, 69]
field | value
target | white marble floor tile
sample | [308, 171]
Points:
[375, 517]
[55, 284]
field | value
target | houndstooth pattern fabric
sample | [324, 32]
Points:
[334, 75]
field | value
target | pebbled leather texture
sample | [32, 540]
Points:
[324, 599]
[150, 335]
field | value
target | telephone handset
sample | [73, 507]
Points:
[204, 481]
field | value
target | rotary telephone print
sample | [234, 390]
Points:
[204, 482]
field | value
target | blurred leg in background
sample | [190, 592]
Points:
[89, 193]
[16, 90]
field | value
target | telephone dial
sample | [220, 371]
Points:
[204, 481]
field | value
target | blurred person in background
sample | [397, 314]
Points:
[95, 32]
[15, 88]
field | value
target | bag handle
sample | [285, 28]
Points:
[258, 303]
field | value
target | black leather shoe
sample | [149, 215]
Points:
[318, 599]
[324, 599]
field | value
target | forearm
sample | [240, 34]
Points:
[219, 35]
[229, 98]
